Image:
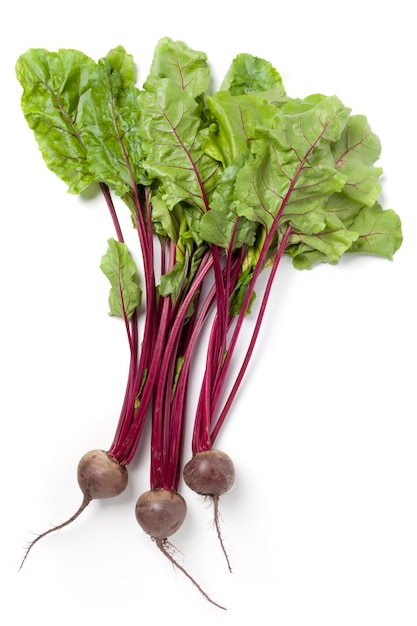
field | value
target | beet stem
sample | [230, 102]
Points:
[252, 343]
[86, 501]
[109, 201]
[163, 544]
[172, 339]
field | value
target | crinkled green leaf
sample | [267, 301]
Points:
[351, 228]
[121, 270]
[224, 170]
[184, 66]
[314, 119]
[164, 221]
[345, 208]
[293, 172]
[355, 154]
[222, 225]
[123, 64]
[235, 121]
[193, 215]
[54, 84]
[379, 232]
[248, 74]
[111, 119]
[173, 146]
[326, 246]
[170, 283]
[308, 258]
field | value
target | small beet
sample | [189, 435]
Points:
[160, 513]
[210, 473]
[100, 476]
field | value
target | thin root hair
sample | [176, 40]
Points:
[86, 501]
[217, 519]
[167, 548]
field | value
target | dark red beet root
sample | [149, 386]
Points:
[99, 476]
[210, 473]
[160, 513]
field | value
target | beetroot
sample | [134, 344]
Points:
[210, 473]
[99, 476]
[160, 512]
[222, 186]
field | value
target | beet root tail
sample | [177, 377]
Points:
[164, 545]
[86, 501]
[216, 520]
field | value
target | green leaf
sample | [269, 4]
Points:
[172, 144]
[186, 67]
[343, 207]
[222, 225]
[312, 119]
[355, 154]
[236, 119]
[189, 241]
[54, 85]
[249, 74]
[123, 64]
[164, 221]
[293, 173]
[326, 246]
[379, 232]
[351, 228]
[111, 120]
[172, 282]
[254, 250]
[177, 282]
[121, 270]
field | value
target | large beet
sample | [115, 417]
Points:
[100, 476]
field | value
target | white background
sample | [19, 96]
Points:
[321, 525]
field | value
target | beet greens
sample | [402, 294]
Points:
[219, 186]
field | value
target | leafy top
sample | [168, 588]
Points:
[228, 168]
